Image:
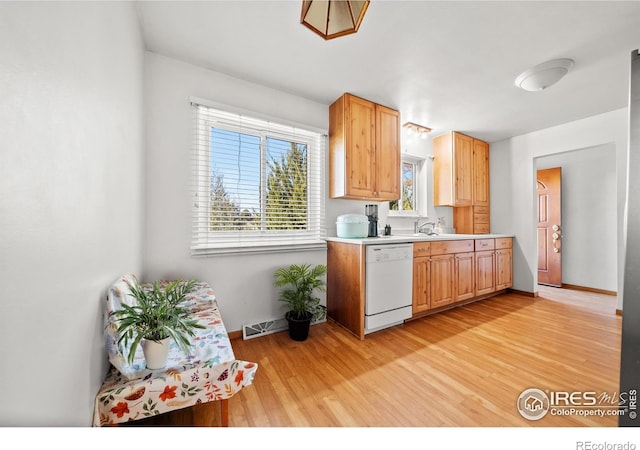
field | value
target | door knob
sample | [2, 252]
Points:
[556, 237]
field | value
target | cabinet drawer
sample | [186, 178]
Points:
[485, 244]
[481, 209]
[421, 249]
[504, 242]
[446, 247]
[481, 228]
[480, 218]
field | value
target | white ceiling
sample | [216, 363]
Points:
[446, 65]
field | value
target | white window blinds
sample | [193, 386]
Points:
[258, 185]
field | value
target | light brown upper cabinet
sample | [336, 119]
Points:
[480, 173]
[461, 180]
[453, 170]
[364, 150]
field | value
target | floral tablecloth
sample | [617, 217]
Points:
[209, 373]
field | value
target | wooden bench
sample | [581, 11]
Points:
[131, 392]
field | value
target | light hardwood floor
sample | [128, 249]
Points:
[464, 368]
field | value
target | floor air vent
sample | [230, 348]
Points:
[262, 328]
[255, 330]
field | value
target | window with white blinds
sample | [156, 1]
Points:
[258, 185]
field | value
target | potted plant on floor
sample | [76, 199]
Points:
[300, 283]
[158, 317]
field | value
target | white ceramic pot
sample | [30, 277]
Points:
[155, 353]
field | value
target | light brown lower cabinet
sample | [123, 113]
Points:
[504, 266]
[485, 272]
[442, 280]
[450, 272]
[421, 284]
[451, 278]
[445, 273]
[464, 277]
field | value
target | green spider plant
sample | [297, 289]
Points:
[159, 314]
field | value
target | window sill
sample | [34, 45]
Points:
[402, 214]
[233, 250]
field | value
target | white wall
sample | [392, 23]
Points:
[513, 184]
[243, 283]
[413, 146]
[71, 149]
[589, 216]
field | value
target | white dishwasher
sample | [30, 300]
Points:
[389, 285]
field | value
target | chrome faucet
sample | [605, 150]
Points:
[419, 226]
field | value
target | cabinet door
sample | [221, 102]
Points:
[442, 280]
[463, 170]
[464, 286]
[480, 173]
[504, 269]
[360, 147]
[387, 157]
[485, 268]
[421, 284]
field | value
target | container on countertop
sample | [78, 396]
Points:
[352, 226]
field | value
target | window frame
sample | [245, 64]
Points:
[417, 164]
[207, 242]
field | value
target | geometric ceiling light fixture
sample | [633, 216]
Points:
[333, 18]
[413, 129]
[544, 75]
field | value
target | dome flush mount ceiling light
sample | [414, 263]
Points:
[544, 75]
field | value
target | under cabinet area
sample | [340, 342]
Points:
[456, 272]
[364, 150]
[446, 273]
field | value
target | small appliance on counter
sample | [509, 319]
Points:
[352, 226]
[372, 213]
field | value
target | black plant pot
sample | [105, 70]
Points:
[299, 328]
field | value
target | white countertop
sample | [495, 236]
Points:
[399, 238]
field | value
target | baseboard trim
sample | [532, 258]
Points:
[525, 293]
[588, 289]
[235, 334]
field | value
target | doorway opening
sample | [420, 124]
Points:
[586, 238]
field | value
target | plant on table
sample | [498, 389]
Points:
[160, 313]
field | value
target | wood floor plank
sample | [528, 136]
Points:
[462, 367]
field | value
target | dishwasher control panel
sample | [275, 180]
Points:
[389, 252]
